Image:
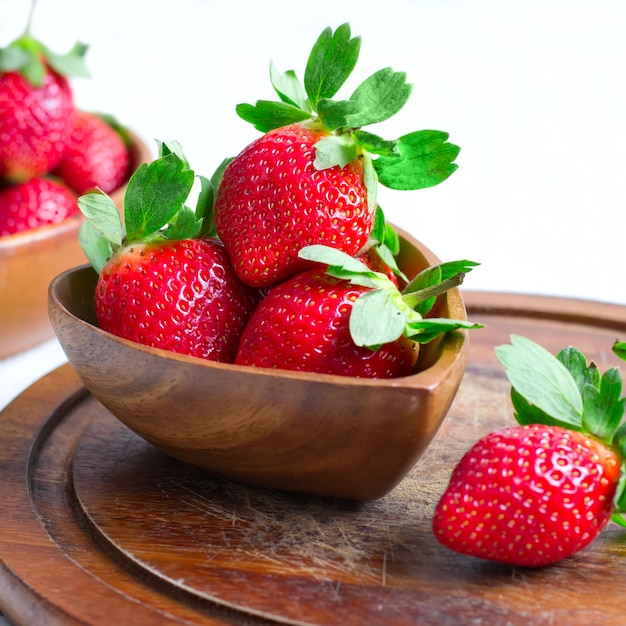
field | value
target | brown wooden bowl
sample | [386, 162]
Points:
[310, 433]
[29, 260]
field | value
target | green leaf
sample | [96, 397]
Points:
[542, 379]
[267, 115]
[576, 363]
[527, 413]
[334, 150]
[70, 64]
[619, 348]
[603, 409]
[426, 159]
[330, 62]
[375, 319]
[370, 180]
[381, 95]
[288, 88]
[12, 58]
[172, 147]
[425, 330]
[334, 114]
[155, 193]
[375, 144]
[103, 216]
[96, 247]
[184, 225]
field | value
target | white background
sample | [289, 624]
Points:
[532, 91]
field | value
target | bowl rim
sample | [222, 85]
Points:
[425, 378]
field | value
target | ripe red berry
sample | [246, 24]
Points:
[273, 201]
[528, 495]
[35, 124]
[35, 203]
[95, 156]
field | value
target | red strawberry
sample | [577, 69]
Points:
[272, 201]
[35, 203]
[319, 321]
[539, 492]
[303, 324]
[36, 106]
[181, 296]
[166, 283]
[95, 156]
[311, 179]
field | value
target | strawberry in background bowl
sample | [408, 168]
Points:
[42, 172]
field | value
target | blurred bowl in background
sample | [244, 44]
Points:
[29, 260]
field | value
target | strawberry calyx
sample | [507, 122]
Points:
[567, 391]
[420, 159]
[154, 207]
[384, 313]
[29, 57]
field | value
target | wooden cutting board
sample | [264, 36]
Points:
[98, 527]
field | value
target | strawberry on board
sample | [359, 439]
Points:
[164, 281]
[344, 318]
[36, 202]
[36, 105]
[312, 177]
[540, 491]
[96, 155]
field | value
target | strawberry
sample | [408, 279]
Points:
[540, 491]
[167, 283]
[312, 177]
[345, 319]
[95, 155]
[34, 203]
[36, 106]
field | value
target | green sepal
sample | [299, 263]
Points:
[376, 319]
[450, 274]
[370, 180]
[330, 63]
[155, 193]
[526, 413]
[387, 243]
[426, 159]
[28, 56]
[103, 215]
[183, 225]
[424, 331]
[97, 248]
[267, 115]
[619, 349]
[576, 363]
[376, 145]
[603, 409]
[381, 96]
[71, 63]
[542, 379]
[334, 150]
[334, 114]
[205, 204]
[289, 89]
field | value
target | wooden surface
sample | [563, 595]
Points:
[98, 527]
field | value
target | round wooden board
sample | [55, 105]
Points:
[98, 527]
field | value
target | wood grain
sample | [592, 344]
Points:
[99, 527]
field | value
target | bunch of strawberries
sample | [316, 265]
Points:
[50, 152]
[286, 260]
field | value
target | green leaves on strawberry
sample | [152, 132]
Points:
[541, 491]
[383, 314]
[37, 106]
[163, 280]
[417, 160]
[154, 208]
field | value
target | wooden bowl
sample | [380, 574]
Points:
[310, 433]
[29, 260]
